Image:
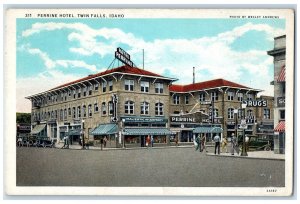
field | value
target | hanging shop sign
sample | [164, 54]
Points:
[280, 101]
[123, 56]
[256, 103]
[115, 99]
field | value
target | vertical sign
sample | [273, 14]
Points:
[114, 118]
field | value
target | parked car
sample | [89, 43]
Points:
[256, 143]
[45, 143]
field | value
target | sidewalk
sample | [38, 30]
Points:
[253, 155]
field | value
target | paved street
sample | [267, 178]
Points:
[161, 167]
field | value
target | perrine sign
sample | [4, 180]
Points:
[256, 103]
[123, 56]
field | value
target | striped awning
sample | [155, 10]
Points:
[37, 129]
[147, 131]
[208, 130]
[105, 129]
[280, 127]
[281, 76]
[75, 132]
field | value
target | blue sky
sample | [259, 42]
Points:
[54, 51]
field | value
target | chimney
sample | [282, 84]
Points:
[193, 75]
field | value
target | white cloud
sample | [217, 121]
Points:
[213, 55]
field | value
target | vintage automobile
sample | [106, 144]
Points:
[256, 143]
[45, 143]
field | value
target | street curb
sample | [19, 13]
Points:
[244, 157]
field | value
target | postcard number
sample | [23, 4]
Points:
[27, 15]
[272, 190]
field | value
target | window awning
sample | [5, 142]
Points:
[75, 132]
[281, 76]
[147, 131]
[105, 129]
[37, 129]
[280, 127]
[208, 130]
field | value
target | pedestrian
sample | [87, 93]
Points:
[176, 141]
[234, 145]
[247, 143]
[217, 144]
[224, 145]
[101, 142]
[19, 141]
[64, 142]
[197, 143]
[67, 142]
[203, 143]
[105, 141]
[152, 140]
[148, 140]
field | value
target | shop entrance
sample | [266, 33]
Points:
[186, 136]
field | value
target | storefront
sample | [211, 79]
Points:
[209, 131]
[279, 138]
[136, 129]
[108, 131]
[39, 131]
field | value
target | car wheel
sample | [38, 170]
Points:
[267, 148]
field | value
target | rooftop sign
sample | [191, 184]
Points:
[123, 56]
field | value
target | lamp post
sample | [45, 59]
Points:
[235, 111]
[244, 152]
[82, 135]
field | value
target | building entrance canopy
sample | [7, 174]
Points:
[37, 129]
[280, 127]
[105, 129]
[208, 130]
[147, 131]
[75, 132]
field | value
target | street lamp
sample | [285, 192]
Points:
[244, 152]
[82, 135]
[235, 111]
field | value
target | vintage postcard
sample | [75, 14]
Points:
[172, 102]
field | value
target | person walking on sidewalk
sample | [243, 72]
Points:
[148, 140]
[152, 140]
[217, 143]
[234, 145]
[105, 141]
[224, 145]
[197, 143]
[203, 143]
[101, 142]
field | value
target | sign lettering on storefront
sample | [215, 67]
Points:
[143, 120]
[256, 103]
[280, 101]
[182, 119]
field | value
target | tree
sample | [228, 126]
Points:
[24, 118]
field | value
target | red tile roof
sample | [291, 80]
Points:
[123, 69]
[205, 85]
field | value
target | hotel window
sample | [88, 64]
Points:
[104, 84]
[266, 113]
[230, 113]
[96, 87]
[84, 91]
[74, 93]
[110, 85]
[129, 107]
[176, 99]
[55, 114]
[79, 93]
[69, 110]
[65, 114]
[62, 96]
[159, 87]
[249, 112]
[90, 110]
[249, 97]
[159, 109]
[230, 95]
[144, 108]
[110, 108]
[74, 112]
[129, 85]
[84, 111]
[240, 113]
[216, 112]
[202, 96]
[282, 114]
[103, 107]
[90, 89]
[61, 114]
[145, 86]
[48, 115]
[66, 94]
[214, 96]
[69, 93]
[96, 109]
[78, 112]
[186, 99]
[240, 96]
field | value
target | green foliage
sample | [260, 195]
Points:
[24, 118]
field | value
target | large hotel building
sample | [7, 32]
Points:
[126, 104]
